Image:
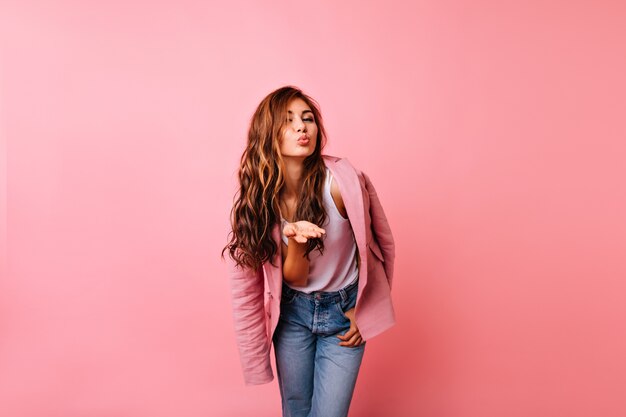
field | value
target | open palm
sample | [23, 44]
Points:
[302, 230]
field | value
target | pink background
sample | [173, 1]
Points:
[493, 131]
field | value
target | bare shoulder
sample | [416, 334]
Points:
[337, 198]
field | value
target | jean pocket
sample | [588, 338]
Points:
[340, 309]
[345, 305]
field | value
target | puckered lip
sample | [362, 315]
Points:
[303, 140]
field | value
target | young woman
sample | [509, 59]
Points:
[311, 260]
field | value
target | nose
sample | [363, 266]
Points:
[300, 126]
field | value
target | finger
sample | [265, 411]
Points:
[313, 233]
[343, 336]
[353, 340]
[357, 342]
[313, 227]
[308, 235]
[308, 226]
[347, 335]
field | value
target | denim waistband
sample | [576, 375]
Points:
[341, 294]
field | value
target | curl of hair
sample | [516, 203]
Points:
[256, 209]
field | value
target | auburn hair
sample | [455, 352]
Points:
[256, 211]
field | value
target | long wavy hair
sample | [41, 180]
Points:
[256, 210]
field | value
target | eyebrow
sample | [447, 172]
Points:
[304, 111]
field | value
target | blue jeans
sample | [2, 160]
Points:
[316, 376]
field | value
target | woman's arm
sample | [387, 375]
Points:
[295, 264]
[382, 231]
[249, 319]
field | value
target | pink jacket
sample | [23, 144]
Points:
[256, 294]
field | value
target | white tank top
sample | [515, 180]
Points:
[337, 267]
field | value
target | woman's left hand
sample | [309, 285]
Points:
[351, 338]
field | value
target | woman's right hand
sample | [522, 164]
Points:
[302, 230]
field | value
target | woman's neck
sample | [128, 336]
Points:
[293, 177]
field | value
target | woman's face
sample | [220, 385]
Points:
[299, 134]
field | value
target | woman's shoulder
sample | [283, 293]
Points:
[330, 159]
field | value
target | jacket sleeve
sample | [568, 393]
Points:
[247, 289]
[381, 229]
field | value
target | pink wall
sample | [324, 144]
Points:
[494, 132]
